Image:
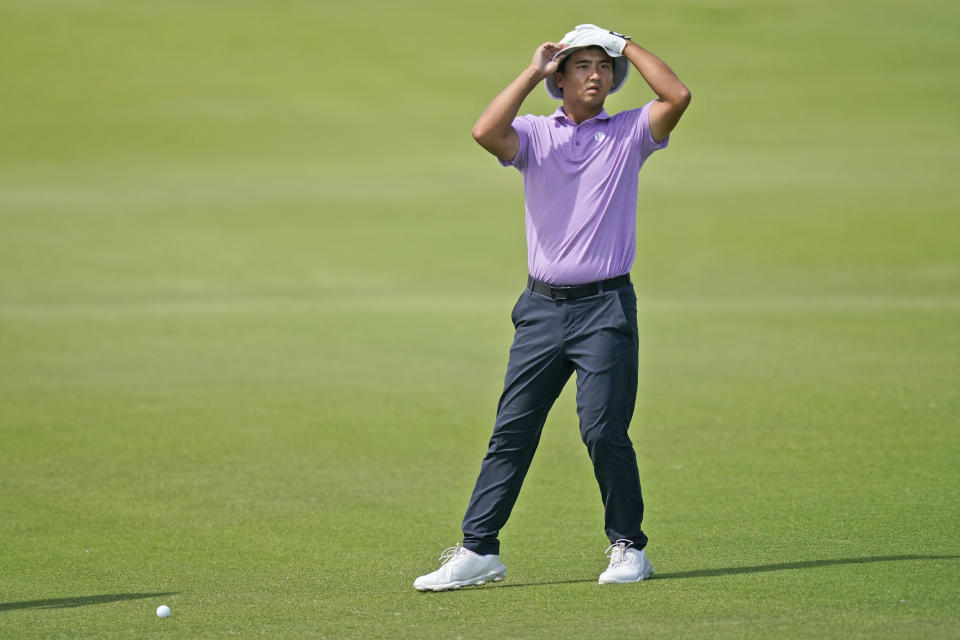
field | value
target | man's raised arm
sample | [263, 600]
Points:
[674, 95]
[493, 130]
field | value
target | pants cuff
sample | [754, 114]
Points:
[482, 547]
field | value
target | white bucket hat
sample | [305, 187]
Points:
[589, 36]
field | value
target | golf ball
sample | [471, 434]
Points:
[163, 611]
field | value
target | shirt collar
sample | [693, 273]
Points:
[560, 115]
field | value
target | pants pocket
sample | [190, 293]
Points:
[626, 304]
[515, 313]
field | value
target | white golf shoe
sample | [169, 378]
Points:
[461, 568]
[626, 564]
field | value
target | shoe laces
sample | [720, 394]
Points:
[616, 552]
[450, 553]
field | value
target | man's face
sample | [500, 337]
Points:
[587, 77]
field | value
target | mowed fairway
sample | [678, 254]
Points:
[255, 286]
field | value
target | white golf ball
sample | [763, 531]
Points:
[163, 611]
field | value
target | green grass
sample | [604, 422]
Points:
[255, 283]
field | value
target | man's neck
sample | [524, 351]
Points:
[578, 113]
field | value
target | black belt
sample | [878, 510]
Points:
[578, 290]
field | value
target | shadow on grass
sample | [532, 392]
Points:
[788, 566]
[79, 601]
[730, 571]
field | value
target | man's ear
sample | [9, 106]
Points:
[558, 79]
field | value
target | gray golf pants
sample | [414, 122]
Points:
[596, 336]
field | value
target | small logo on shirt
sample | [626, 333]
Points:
[599, 136]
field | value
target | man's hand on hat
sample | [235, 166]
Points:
[544, 59]
[587, 34]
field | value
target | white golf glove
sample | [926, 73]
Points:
[589, 34]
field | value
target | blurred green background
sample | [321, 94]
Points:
[255, 283]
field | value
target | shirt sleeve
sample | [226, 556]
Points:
[522, 126]
[647, 144]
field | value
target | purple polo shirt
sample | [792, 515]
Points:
[580, 188]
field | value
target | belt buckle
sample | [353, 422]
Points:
[559, 293]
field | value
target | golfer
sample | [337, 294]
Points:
[579, 311]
